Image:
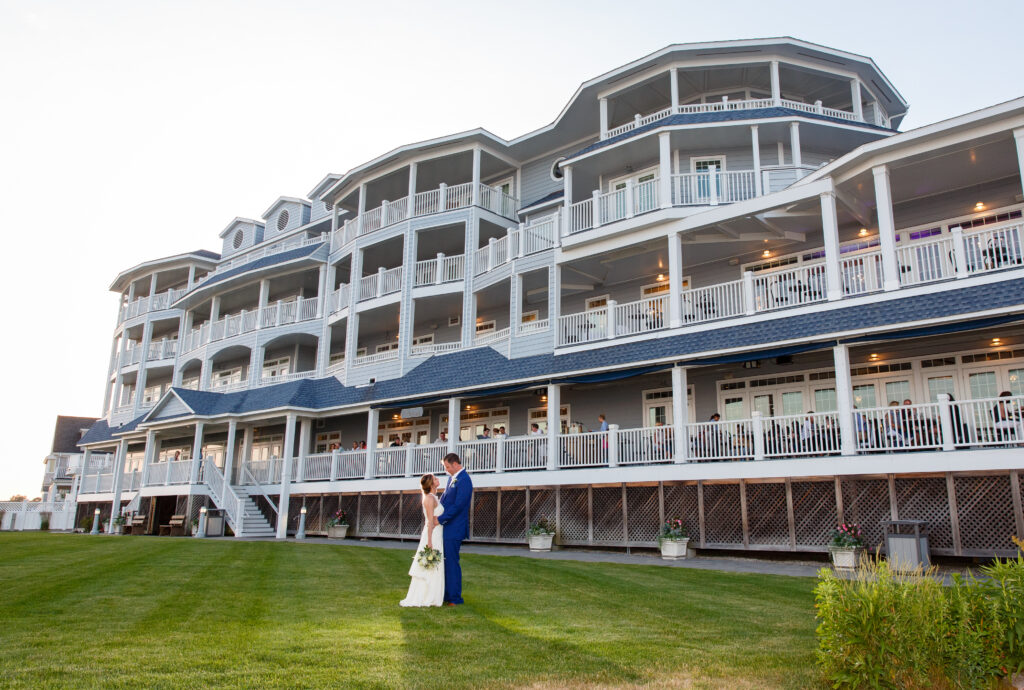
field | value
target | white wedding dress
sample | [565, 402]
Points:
[427, 586]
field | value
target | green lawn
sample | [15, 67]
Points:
[79, 610]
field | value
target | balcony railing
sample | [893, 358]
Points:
[280, 313]
[143, 305]
[162, 349]
[439, 200]
[385, 281]
[284, 378]
[376, 357]
[270, 250]
[443, 269]
[435, 348]
[731, 105]
[339, 298]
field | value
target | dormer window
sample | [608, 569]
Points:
[237, 241]
[282, 220]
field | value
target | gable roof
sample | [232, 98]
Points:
[67, 432]
[283, 200]
[238, 221]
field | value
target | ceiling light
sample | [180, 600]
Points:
[661, 277]
[873, 356]
[766, 253]
[979, 206]
[863, 232]
[997, 341]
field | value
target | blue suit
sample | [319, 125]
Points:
[457, 500]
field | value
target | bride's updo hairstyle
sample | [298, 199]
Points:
[427, 483]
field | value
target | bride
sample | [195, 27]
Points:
[427, 586]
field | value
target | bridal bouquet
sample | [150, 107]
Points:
[429, 558]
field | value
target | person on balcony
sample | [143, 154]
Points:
[442, 437]
[486, 435]
[894, 426]
[1006, 418]
[535, 430]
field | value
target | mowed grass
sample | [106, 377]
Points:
[88, 611]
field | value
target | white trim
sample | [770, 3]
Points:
[588, 304]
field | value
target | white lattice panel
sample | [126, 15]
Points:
[722, 519]
[642, 512]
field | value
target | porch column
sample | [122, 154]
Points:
[197, 454]
[286, 476]
[665, 169]
[476, 176]
[140, 379]
[119, 459]
[259, 352]
[855, 98]
[411, 203]
[305, 433]
[191, 276]
[372, 426]
[776, 88]
[152, 289]
[844, 400]
[794, 144]
[755, 146]
[1018, 138]
[555, 299]
[454, 421]
[515, 314]
[205, 373]
[680, 413]
[131, 292]
[214, 309]
[264, 299]
[675, 279]
[554, 424]
[830, 231]
[147, 457]
[247, 439]
[361, 209]
[886, 228]
[566, 198]
[229, 452]
[674, 87]
[321, 304]
[603, 103]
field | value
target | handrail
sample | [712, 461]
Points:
[226, 496]
[263, 492]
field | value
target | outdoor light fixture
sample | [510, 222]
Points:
[979, 206]
[766, 253]
[301, 532]
[997, 341]
[661, 277]
[873, 356]
[863, 232]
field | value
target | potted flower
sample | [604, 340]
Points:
[117, 525]
[541, 534]
[337, 526]
[672, 539]
[846, 546]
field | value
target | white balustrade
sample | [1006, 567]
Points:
[179, 472]
[143, 305]
[526, 453]
[427, 458]
[587, 449]
[583, 327]
[790, 288]
[317, 467]
[898, 428]
[642, 316]
[732, 440]
[376, 357]
[539, 234]
[801, 434]
[714, 187]
[924, 262]
[391, 280]
[480, 455]
[390, 462]
[645, 446]
[498, 201]
[861, 274]
[282, 378]
[712, 302]
[157, 474]
[581, 216]
[435, 348]
[531, 327]
[492, 337]
[270, 250]
[988, 422]
[990, 249]
[352, 464]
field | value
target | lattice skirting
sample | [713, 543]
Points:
[967, 514]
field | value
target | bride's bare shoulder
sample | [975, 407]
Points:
[429, 500]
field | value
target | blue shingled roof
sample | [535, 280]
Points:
[484, 367]
[719, 116]
[206, 254]
[543, 200]
[272, 260]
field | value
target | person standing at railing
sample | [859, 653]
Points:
[960, 433]
[894, 425]
[442, 437]
[1005, 418]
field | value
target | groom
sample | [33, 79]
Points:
[457, 500]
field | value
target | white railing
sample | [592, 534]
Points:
[492, 337]
[989, 249]
[526, 453]
[539, 234]
[645, 446]
[270, 250]
[531, 327]
[368, 287]
[725, 104]
[435, 348]
[225, 497]
[376, 357]
[334, 368]
[987, 422]
[587, 449]
[162, 349]
[818, 109]
[391, 280]
[157, 474]
[861, 274]
[642, 316]
[179, 472]
[316, 467]
[581, 216]
[351, 464]
[499, 202]
[713, 187]
[339, 298]
[733, 440]
[427, 458]
[789, 288]
[496, 253]
[712, 302]
[637, 122]
[283, 378]
[443, 269]
[479, 456]
[924, 262]
[815, 433]
[259, 472]
[584, 327]
[390, 462]
[899, 427]
[143, 305]
[427, 202]
[383, 282]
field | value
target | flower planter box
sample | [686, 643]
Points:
[674, 549]
[337, 532]
[541, 542]
[845, 559]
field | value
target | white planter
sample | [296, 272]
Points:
[337, 532]
[541, 542]
[845, 559]
[117, 529]
[674, 549]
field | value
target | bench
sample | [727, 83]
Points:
[137, 524]
[174, 528]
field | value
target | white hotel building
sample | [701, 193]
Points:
[736, 228]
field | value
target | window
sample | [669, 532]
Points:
[485, 327]
[539, 416]
[864, 397]
[983, 385]
[655, 289]
[825, 400]
[151, 394]
[226, 377]
[792, 403]
[336, 358]
[361, 352]
[1016, 381]
[897, 391]
[386, 347]
[276, 367]
[530, 316]
[454, 320]
[238, 239]
[327, 441]
[423, 340]
[504, 186]
[556, 172]
[938, 385]
[733, 409]
[596, 303]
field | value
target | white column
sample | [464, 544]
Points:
[131, 292]
[147, 457]
[322, 292]
[675, 279]
[855, 98]
[119, 459]
[830, 232]
[1018, 138]
[946, 422]
[844, 400]
[776, 87]
[214, 309]
[152, 289]
[476, 176]
[959, 252]
[755, 149]
[680, 414]
[361, 208]
[454, 420]
[197, 454]
[674, 87]
[247, 440]
[665, 169]
[305, 433]
[566, 198]
[555, 299]
[140, 378]
[515, 312]
[259, 353]
[603, 102]
[554, 424]
[191, 276]
[794, 143]
[372, 425]
[411, 203]
[229, 451]
[886, 228]
[286, 476]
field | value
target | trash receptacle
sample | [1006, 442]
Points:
[214, 522]
[906, 544]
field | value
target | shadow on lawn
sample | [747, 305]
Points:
[466, 647]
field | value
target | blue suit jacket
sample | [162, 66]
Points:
[457, 500]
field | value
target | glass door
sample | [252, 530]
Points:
[703, 181]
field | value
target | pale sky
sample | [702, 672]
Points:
[134, 130]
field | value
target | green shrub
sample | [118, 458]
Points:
[887, 630]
